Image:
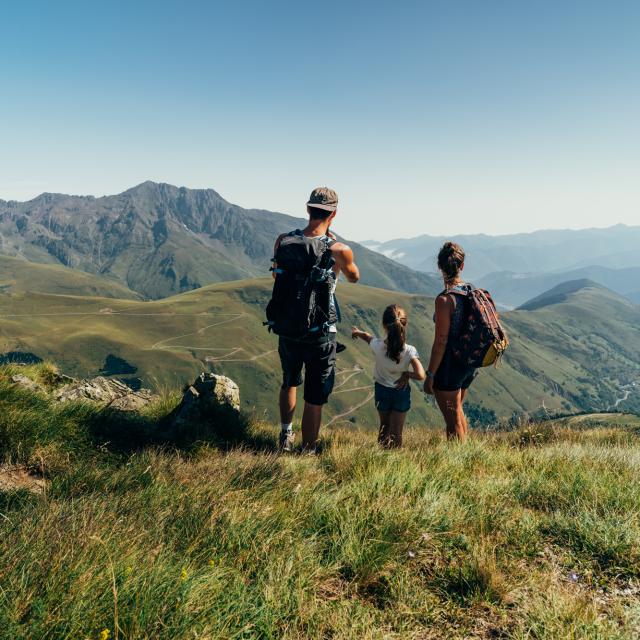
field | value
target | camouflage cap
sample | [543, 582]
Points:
[323, 198]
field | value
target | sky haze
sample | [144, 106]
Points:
[426, 117]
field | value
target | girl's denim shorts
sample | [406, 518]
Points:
[391, 399]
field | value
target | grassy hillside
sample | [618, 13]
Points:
[561, 359]
[18, 276]
[592, 328]
[529, 534]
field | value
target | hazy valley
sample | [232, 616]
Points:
[518, 267]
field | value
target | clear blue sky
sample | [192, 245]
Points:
[426, 117]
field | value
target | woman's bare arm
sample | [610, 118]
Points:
[444, 310]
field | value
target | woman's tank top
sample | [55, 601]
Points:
[457, 317]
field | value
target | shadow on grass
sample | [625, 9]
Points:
[125, 432]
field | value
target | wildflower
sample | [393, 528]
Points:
[183, 574]
[212, 563]
[105, 634]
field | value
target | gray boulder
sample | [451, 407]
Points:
[209, 397]
[219, 390]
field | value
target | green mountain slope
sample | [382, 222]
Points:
[578, 354]
[18, 276]
[159, 240]
[559, 293]
[589, 326]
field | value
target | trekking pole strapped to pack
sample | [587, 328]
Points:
[302, 304]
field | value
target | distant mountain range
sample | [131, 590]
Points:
[513, 289]
[158, 240]
[518, 267]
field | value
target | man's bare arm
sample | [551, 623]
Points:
[344, 259]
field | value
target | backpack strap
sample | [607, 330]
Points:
[326, 259]
[468, 288]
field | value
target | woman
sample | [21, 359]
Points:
[448, 378]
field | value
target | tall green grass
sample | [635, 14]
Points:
[507, 536]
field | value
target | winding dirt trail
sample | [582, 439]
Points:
[167, 343]
[227, 354]
[230, 351]
[628, 389]
[162, 344]
[350, 410]
[356, 370]
[366, 386]
[226, 357]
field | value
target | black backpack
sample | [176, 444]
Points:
[302, 305]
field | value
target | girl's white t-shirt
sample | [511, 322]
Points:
[386, 370]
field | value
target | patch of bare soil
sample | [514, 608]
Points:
[17, 477]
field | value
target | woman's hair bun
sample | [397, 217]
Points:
[450, 260]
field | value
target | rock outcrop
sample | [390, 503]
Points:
[26, 383]
[16, 477]
[106, 391]
[210, 397]
[211, 401]
[54, 380]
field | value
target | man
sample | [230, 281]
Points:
[317, 354]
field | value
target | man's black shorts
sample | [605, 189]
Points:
[319, 360]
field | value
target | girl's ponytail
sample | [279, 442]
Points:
[394, 320]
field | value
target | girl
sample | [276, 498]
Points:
[396, 362]
[447, 378]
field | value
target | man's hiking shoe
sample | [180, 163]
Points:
[340, 347]
[287, 438]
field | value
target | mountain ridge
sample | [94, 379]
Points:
[560, 293]
[159, 239]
